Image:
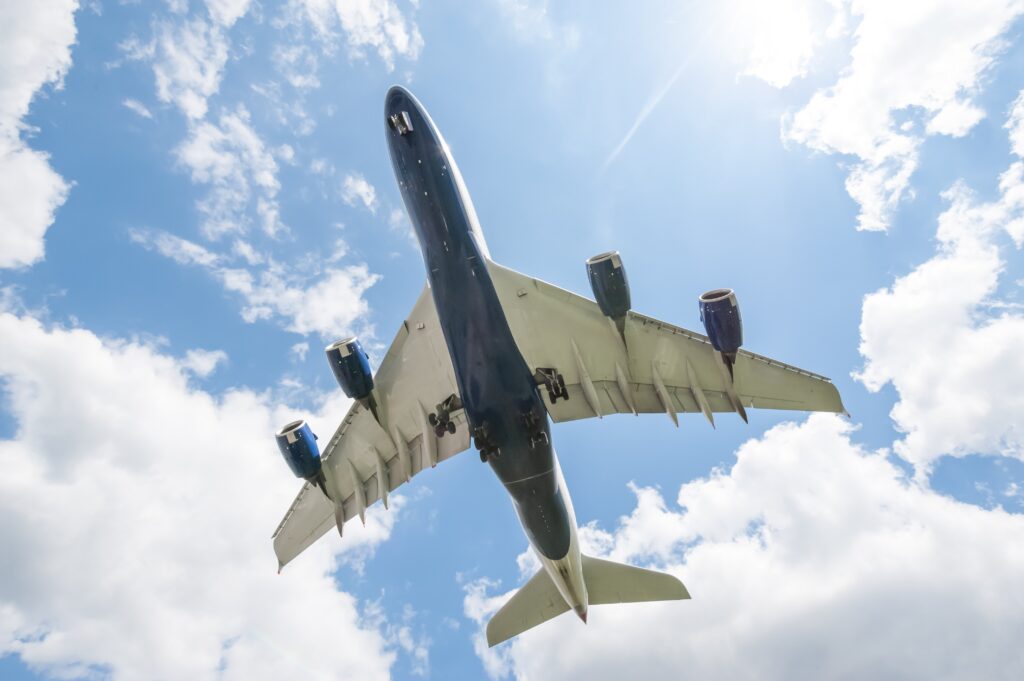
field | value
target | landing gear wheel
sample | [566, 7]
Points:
[553, 381]
[439, 430]
[432, 419]
[451, 428]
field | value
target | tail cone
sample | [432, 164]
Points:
[581, 610]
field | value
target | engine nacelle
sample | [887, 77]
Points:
[351, 366]
[299, 449]
[609, 284]
[720, 312]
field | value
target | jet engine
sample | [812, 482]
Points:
[720, 312]
[610, 286]
[298, 447]
[351, 367]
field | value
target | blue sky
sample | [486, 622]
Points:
[197, 198]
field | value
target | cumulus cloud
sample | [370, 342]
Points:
[330, 307]
[231, 158]
[956, 366]
[811, 558]
[914, 70]
[35, 51]
[328, 301]
[138, 511]
[356, 190]
[367, 26]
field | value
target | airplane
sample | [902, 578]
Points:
[491, 357]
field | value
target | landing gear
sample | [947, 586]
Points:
[482, 441]
[533, 426]
[441, 420]
[553, 381]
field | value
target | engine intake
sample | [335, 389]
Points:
[609, 284]
[351, 366]
[299, 449]
[720, 312]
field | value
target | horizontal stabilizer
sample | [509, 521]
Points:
[536, 603]
[609, 582]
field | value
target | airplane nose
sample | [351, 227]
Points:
[581, 612]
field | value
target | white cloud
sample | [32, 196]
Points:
[776, 41]
[908, 59]
[307, 299]
[811, 558]
[330, 307]
[246, 252]
[202, 363]
[30, 194]
[1015, 124]
[231, 158]
[227, 12]
[179, 250]
[955, 119]
[367, 24]
[956, 366]
[298, 65]
[188, 56]
[140, 509]
[137, 107]
[299, 351]
[288, 108]
[35, 50]
[356, 190]
[946, 341]
[188, 61]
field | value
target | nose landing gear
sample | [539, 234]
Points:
[533, 427]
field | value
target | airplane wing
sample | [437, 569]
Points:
[414, 377]
[656, 368]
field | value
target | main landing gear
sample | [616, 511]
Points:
[441, 420]
[482, 441]
[553, 381]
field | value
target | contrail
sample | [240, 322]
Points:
[652, 103]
